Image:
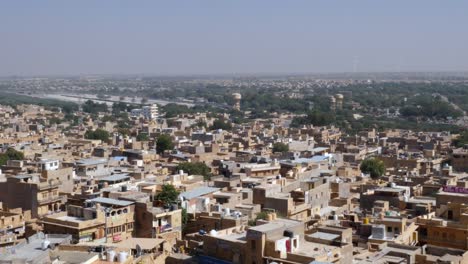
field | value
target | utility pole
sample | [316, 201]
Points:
[106, 211]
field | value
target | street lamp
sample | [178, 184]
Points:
[106, 211]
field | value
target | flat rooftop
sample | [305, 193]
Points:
[235, 237]
[90, 162]
[70, 218]
[116, 177]
[312, 249]
[103, 200]
[32, 252]
[200, 191]
[272, 225]
[324, 236]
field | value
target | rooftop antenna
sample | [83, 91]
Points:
[355, 64]
[400, 61]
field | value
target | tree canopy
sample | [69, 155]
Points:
[196, 168]
[163, 143]
[92, 107]
[168, 195]
[430, 107]
[142, 137]
[221, 124]
[280, 147]
[461, 140]
[11, 154]
[316, 118]
[97, 134]
[374, 167]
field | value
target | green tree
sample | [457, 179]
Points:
[185, 217]
[280, 147]
[374, 167]
[108, 118]
[3, 159]
[92, 107]
[55, 120]
[120, 107]
[260, 216]
[11, 154]
[97, 134]
[221, 124]
[168, 195]
[195, 168]
[315, 118]
[163, 143]
[142, 137]
[461, 140]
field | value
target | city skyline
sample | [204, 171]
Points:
[211, 37]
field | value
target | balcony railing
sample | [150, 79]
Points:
[50, 200]
[46, 185]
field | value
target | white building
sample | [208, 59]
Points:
[136, 112]
[148, 112]
[49, 164]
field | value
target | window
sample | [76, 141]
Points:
[389, 229]
[450, 215]
[423, 231]
[397, 230]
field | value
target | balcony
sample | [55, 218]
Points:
[48, 200]
[47, 186]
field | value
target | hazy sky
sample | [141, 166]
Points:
[198, 36]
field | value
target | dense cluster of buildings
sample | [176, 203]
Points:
[77, 200]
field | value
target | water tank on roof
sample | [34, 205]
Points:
[110, 256]
[213, 233]
[45, 244]
[123, 256]
[227, 211]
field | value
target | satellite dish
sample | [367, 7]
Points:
[138, 250]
